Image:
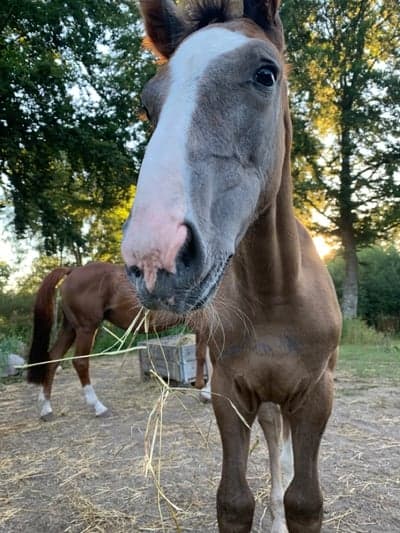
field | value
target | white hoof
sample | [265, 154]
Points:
[279, 526]
[100, 409]
[45, 410]
[205, 394]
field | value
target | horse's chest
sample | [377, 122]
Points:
[276, 367]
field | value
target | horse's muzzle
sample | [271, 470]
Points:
[174, 293]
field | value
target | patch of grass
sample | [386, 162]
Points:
[371, 361]
[356, 331]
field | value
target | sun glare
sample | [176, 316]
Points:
[322, 246]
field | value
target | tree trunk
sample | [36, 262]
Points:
[350, 282]
[78, 255]
[347, 214]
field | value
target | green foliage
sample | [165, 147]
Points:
[5, 272]
[70, 78]
[345, 85]
[16, 315]
[41, 266]
[345, 88]
[356, 331]
[379, 291]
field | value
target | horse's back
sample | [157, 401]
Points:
[89, 290]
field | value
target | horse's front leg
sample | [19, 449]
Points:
[235, 502]
[303, 498]
[277, 433]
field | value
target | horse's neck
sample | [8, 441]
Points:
[270, 253]
[269, 260]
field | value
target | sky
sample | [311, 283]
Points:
[17, 254]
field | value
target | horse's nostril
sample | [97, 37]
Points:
[134, 271]
[190, 253]
[187, 252]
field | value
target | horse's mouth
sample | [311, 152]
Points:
[182, 300]
[210, 283]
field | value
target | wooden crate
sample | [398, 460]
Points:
[172, 357]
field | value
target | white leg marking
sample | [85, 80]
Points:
[277, 489]
[44, 404]
[285, 476]
[205, 393]
[93, 401]
[287, 461]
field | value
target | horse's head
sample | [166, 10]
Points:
[215, 158]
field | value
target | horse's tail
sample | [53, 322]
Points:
[43, 316]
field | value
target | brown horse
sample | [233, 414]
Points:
[213, 223]
[89, 295]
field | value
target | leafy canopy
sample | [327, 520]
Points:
[70, 75]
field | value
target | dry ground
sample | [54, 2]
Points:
[81, 474]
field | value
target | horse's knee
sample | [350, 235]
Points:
[235, 511]
[303, 509]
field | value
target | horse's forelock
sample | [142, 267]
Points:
[167, 24]
[201, 13]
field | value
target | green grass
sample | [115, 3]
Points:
[371, 361]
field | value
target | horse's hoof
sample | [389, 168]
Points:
[104, 414]
[48, 417]
[205, 397]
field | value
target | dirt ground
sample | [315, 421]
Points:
[80, 474]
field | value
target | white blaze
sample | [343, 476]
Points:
[186, 67]
[160, 205]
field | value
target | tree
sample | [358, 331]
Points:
[345, 84]
[30, 282]
[70, 142]
[379, 285]
[104, 236]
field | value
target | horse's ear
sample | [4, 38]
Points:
[164, 26]
[265, 13]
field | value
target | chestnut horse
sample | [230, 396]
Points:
[213, 225]
[89, 295]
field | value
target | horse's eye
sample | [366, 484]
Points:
[265, 76]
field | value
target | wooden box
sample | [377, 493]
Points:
[172, 357]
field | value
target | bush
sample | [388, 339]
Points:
[356, 331]
[16, 315]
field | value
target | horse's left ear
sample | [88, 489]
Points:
[164, 25]
[265, 13]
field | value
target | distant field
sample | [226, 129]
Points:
[368, 361]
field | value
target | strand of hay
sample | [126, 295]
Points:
[107, 351]
[154, 436]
